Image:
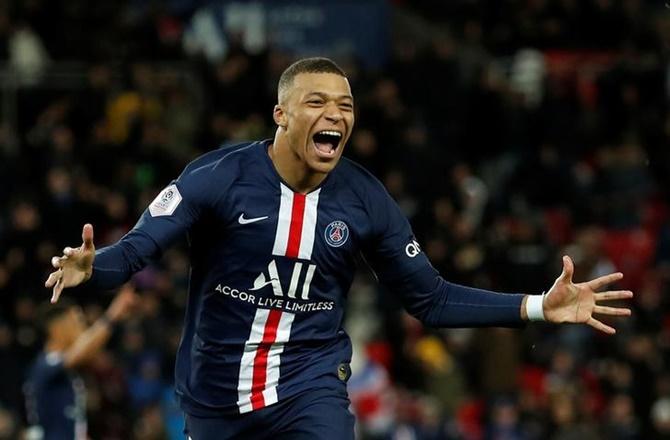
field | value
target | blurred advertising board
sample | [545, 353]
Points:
[338, 29]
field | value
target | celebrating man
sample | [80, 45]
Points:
[276, 228]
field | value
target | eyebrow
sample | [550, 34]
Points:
[326, 96]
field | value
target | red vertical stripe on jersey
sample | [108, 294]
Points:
[261, 359]
[297, 214]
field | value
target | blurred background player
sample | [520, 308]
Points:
[55, 393]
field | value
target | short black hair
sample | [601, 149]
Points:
[47, 312]
[306, 65]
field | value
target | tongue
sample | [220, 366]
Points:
[324, 147]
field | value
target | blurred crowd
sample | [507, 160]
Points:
[510, 133]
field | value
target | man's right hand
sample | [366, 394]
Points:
[75, 265]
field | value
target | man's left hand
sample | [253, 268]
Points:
[577, 303]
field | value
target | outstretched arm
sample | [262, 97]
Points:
[168, 217]
[402, 266]
[439, 303]
[113, 265]
[95, 337]
[569, 302]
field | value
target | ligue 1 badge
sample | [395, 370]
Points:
[167, 195]
[336, 233]
[166, 202]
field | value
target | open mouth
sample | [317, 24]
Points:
[326, 142]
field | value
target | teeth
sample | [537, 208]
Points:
[331, 133]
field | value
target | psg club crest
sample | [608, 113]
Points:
[337, 233]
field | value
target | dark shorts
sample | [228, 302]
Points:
[316, 414]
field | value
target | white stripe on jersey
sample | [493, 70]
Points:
[274, 358]
[309, 225]
[246, 377]
[247, 364]
[283, 221]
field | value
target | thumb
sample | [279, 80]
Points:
[87, 236]
[568, 269]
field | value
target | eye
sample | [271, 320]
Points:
[315, 102]
[347, 107]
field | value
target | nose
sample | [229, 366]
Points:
[333, 114]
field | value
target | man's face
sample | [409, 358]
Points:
[69, 326]
[317, 115]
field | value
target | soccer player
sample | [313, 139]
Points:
[55, 394]
[276, 228]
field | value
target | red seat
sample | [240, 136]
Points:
[631, 252]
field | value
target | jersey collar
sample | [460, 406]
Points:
[262, 148]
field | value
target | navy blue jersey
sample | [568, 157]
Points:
[55, 399]
[270, 270]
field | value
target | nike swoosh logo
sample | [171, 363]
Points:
[246, 221]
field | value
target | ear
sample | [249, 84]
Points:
[279, 116]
